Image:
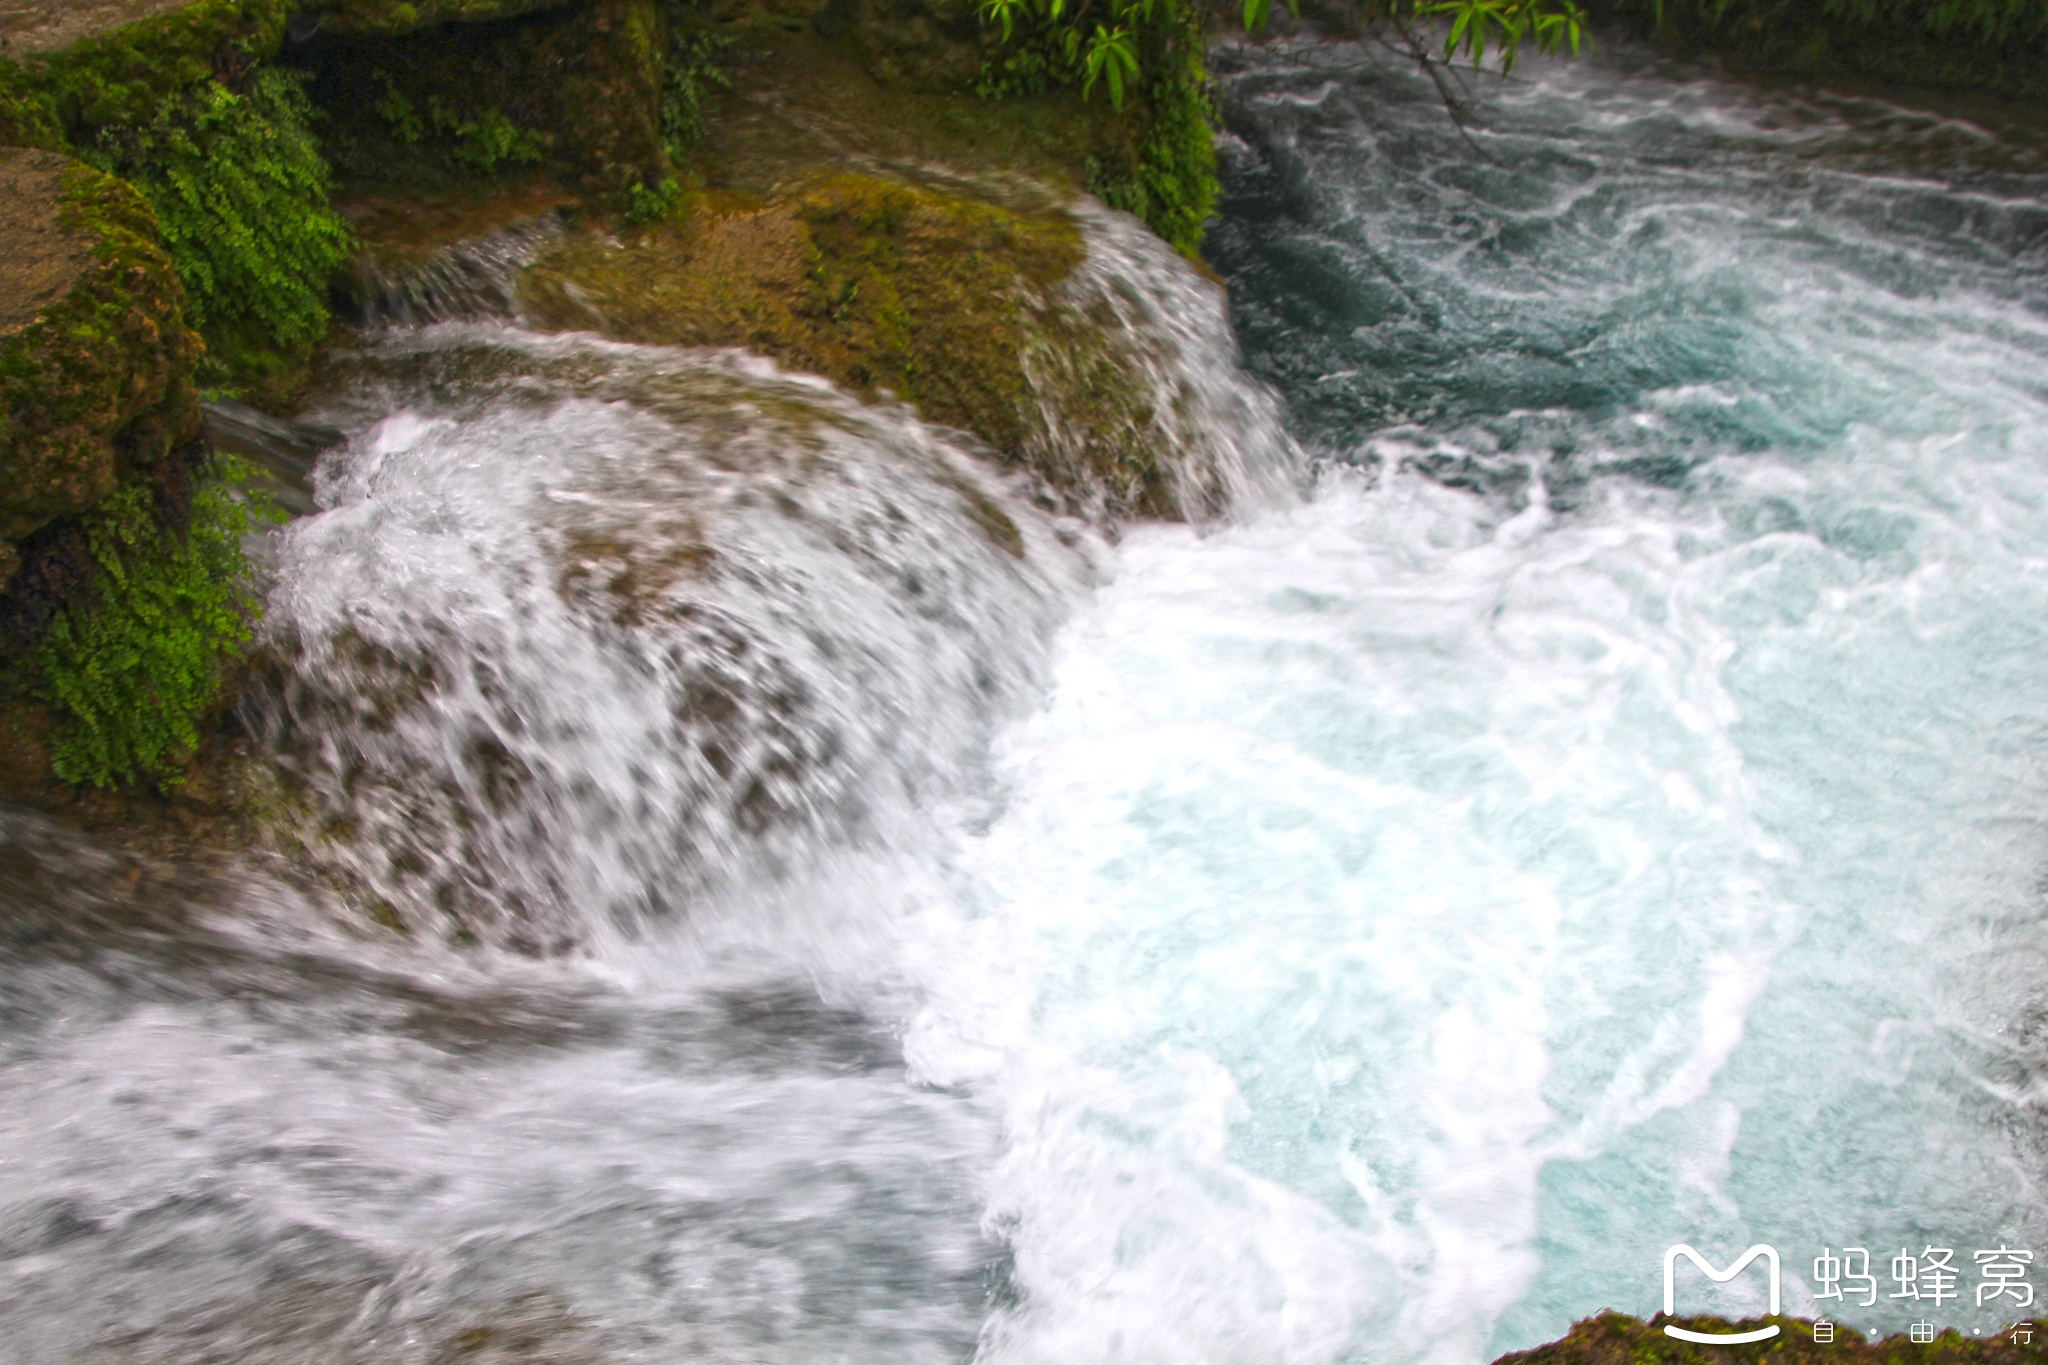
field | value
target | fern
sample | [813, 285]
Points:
[484, 144]
[696, 69]
[240, 192]
[130, 671]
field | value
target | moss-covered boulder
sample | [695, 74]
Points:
[953, 304]
[610, 95]
[880, 286]
[96, 359]
[180, 100]
[125, 600]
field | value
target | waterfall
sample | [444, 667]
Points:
[586, 631]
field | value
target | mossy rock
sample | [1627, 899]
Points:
[879, 286]
[95, 355]
[27, 117]
[893, 290]
[391, 18]
[801, 98]
[1617, 1339]
[52, 25]
[610, 93]
[123, 74]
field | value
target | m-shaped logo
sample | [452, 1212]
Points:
[1770, 1256]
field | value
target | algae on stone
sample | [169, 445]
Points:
[96, 362]
[177, 100]
[949, 303]
[28, 26]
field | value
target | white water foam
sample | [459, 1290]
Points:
[588, 631]
[1414, 912]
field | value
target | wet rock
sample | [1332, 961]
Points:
[952, 304]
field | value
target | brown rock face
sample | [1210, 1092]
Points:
[42, 260]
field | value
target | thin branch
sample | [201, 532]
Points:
[1458, 110]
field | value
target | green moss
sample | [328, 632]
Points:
[28, 117]
[948, 303]
[130, 672]
[241, 193]
[100, 383]
[128, 649]
[612, 96]
[877, 285]
[126, 76]
[179, 105]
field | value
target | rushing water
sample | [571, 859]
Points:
[797, 899]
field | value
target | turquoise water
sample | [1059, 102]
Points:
[1610, 813]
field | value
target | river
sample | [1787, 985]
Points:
[788, 895]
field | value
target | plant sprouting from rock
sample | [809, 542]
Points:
[130, 671]
[240, 192]
[696, 69]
